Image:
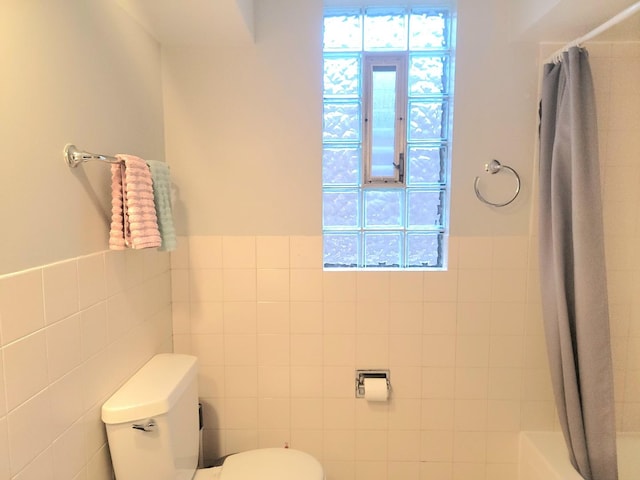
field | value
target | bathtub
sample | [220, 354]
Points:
[543, 456]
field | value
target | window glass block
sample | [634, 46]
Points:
[341, 249]
[427, 30]
[341, 122]
[340, 208]
[385, 29]
[424, 250]
[427, 75]
[426, 120]
[343, 31]
[341, 165]
[383, 208]
[425, 208]
[382, 249]
[426, 165]
[341, 76]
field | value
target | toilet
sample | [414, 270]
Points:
[152, 425]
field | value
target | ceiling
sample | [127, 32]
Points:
[229, 23]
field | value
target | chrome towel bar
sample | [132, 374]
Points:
[74, 157]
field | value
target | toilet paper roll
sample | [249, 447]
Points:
[375, 389]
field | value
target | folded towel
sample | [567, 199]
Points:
[133, 215]
[162, 198]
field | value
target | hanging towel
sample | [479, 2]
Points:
[133, 214]
[162, 197]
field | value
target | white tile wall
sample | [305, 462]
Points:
[279, 341]
[70, 334]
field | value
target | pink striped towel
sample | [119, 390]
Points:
[133, 213]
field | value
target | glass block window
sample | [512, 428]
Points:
[386, 136]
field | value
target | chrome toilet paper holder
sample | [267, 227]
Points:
[362, 374]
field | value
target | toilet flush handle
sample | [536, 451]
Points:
[149, 426]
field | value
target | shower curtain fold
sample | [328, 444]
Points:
[572, 266]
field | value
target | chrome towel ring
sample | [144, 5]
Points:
[494, 167]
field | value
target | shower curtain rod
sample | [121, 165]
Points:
[616, 19]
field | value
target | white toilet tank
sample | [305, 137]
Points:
[152, 421]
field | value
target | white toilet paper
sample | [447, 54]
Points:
[375, 389]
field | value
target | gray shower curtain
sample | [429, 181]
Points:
[572, 266]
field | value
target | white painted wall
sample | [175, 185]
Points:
[72, 72]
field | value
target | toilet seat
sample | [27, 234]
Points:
[266, 464]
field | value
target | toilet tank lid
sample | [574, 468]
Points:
[152, 390]
[272, 464]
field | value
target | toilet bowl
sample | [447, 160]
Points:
[153, 432]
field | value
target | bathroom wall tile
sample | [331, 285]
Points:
[474, 285]
[404, 413]
[440, 286]
[241, 381]
[440, 318]
[272, 252]
[438, 382]
[204, 285]
[273, 317]
[475, 252]
[509, 285]
[22, 303]
[372, 317]
[510, 252]
[115, 266]
[406, 318]
[372, 351]
[371, 470]
[66, 402]
[41, 468]
[371, 444]
[436, 446]
[272, 285]
[469, 447]
[505, 351]
[180, 280]
[471, 383]
[339, 350]
[537, 415]
[179, 258]
[210, 349]
[306, 317]
[404, 446]
[274, 381]
[93, 329]
[339, 413]
[404, 470]
[199, 252]
[306, 350]
[438, 350]
[372, 286]
[99, 465]
[240, 350]
[339, 286]
[406, 286]
[306, 413]
[405, 350]
[306, 381]
[406, 382]
[472, 350]
[4, 448]
[470, 415]
[64, 347]
[507, 318]
[211, 381]
[96, 379]
[3, 397]
[29, 430]
[340, 444]
[473, 318]
[241, 413]
[121, 316]
[273, 349]
[337, 382]
[25, 368]
[273, 413]
[238, 252]
[68, 453]
[340, 469]
[60, 284]
[305, 252]
[91, 280]
[371, 415]
[436, 414]
[469, 470]
[306, 285]
[239, 440]
[239, 317]
[505, 383]
[339, 317]
[308, 440]
[239, 285]
[198, 318]
[273, 437]
[503, 416]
